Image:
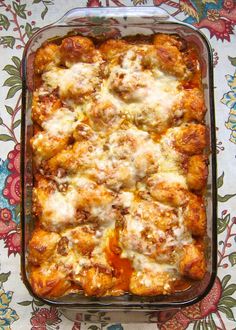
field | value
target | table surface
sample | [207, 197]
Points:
[18, 20]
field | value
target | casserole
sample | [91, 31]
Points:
[127, 26]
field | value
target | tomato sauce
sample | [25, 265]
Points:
[182, 285]
[195, 81]
[122, 266]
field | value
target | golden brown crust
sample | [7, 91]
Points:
[193, 263]
[77, 49]
[197, 172]
[44, 106]
[150, 286]
[42, 246]
[51, 284]
[110, 49]
[193, 105]
[169, 54]
[45, 57]
[195, 216]
[191, 139]
[96, 281]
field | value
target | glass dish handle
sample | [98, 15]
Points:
[74, 16]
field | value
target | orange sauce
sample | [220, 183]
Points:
[157, 136]
[122, 266]
[37, 81]
[182, 285]
[195, 80]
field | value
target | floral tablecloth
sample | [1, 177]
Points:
[18, 20]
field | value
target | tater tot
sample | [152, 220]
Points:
[191, 139]
[195, 215]
[166, 190]
[44, 106]
[112, 48]
[193, 105]
[46, 146]
[197, 172]
[97, 282]
[150, 283]
[42, 246]
[77, 49]
[46, 57]
[52, 283]
[169, 56]
[193, 263]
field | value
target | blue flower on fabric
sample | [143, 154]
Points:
[115, 327]
[229, 99]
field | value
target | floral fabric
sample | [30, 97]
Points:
[19, 19]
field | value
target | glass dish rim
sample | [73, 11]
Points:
[138, 306]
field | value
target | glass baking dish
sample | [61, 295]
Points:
[106, 23]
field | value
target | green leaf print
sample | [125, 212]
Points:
[5, 137]
[227, 311]
[4, 21]
[7, 41]
[14, 81]
[222, 223]
[232, 258]
[19, 9]
[4, 277]
[232, 60]
[220, 180]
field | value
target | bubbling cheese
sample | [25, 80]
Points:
[79, 80]
[151, 93]
[62, 122]
[59, 210]
[115, 186]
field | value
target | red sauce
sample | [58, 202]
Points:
[182, 285]
[195, 81]
[157, 136]
[122, 266]
[38, 81]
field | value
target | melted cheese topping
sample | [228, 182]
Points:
[151, 95]
[113, 155]
[62, 122]
[59, 209]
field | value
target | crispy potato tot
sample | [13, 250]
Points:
[169, 56]
[46, 146]
[83, 239]
[193, 105]
[111, 49]
[42, 246]
[193, 263]
[97, 281]
[195, 216]
[191, 139]
[46, 57]
[197, 172]
[168, 189]
[51, 283]
[78, 49]
[44, 106]
[150, 283]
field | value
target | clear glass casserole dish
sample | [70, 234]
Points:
[107, 23]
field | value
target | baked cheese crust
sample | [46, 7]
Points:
[120, 167]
